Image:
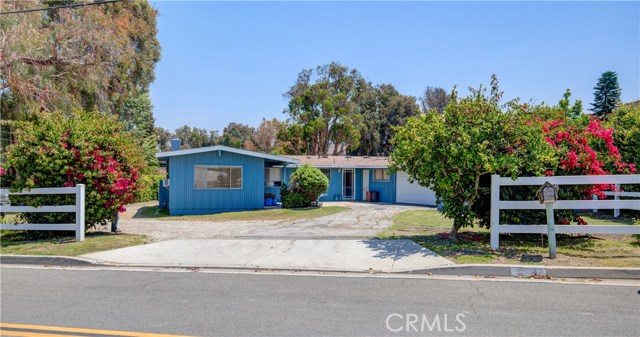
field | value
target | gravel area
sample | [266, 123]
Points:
[361, 220]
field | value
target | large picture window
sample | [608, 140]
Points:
[218, 177]
[381, 175]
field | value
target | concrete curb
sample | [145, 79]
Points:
[535, 271]
[455, 270]
[48, 260]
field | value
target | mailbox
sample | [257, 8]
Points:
[548, 193]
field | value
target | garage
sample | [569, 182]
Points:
[412, 193]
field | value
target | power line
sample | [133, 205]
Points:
[59, 7]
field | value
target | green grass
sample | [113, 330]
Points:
[263, 214]
[15, 242]
[427, 229]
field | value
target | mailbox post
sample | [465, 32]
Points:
[548, 194]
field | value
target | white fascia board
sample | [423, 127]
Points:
[169, 154]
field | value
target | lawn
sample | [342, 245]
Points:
[153, 212]
[15, 242]
[429, 228]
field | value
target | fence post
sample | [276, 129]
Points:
[551, 231]
[495, 212]
[594, 197]
[616, 196]
[80, 212]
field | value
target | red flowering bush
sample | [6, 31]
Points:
[65, 149]
[586, 150]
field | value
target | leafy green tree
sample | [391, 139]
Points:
[324, 102]
[607, 94]
[193, 137]
[626, 122]
[88, 57]
[65, 149]
[292, 141]
[163, 137]
[574, 111]
[394, 111]
[266, 135]
[237, 135]
[473, 138]
[137, 117]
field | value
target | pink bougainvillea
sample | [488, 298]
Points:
[67, 149]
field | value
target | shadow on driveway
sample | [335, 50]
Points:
[397, 249]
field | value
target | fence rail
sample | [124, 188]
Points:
[496, 205]
[78, 209]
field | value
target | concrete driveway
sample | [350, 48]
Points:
[327, 255]
[362, 220]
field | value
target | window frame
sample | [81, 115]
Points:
[230, 167]
[388, 175]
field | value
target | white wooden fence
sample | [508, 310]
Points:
[497, 205]
[78, 209]
[616, 196]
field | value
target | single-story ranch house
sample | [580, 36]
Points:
[219, 178]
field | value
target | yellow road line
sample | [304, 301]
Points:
[43, 328]
[31, 334]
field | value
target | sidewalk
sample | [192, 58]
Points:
[334, 255]
[380, 256]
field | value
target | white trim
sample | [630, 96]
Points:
[365, 184]
[78, 209]
[497, 205]
[353, 188]
[227, 149]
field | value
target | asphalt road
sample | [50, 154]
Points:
[196, 303]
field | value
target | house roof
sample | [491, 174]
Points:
[169, 154]
[343, 161]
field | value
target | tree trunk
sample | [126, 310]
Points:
[453, 233]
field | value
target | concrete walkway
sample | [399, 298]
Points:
[334, 255]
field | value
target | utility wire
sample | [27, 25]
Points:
[59, 7]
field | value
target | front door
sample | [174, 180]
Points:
[348, 184]
[365, 184]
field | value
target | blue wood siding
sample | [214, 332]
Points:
[335, 186]
[387, 189]
[185, 199]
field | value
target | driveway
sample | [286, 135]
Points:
[362, 220]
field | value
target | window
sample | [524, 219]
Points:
[327, 172]
[381, 175]
[218, 177]
[273, 177]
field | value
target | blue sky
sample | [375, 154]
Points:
[232, 61]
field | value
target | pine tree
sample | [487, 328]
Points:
[607, 94]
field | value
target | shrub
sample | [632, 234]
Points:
[309, 181]
[307, 184]
[64, 149]
[148, 186]
[296, 200]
